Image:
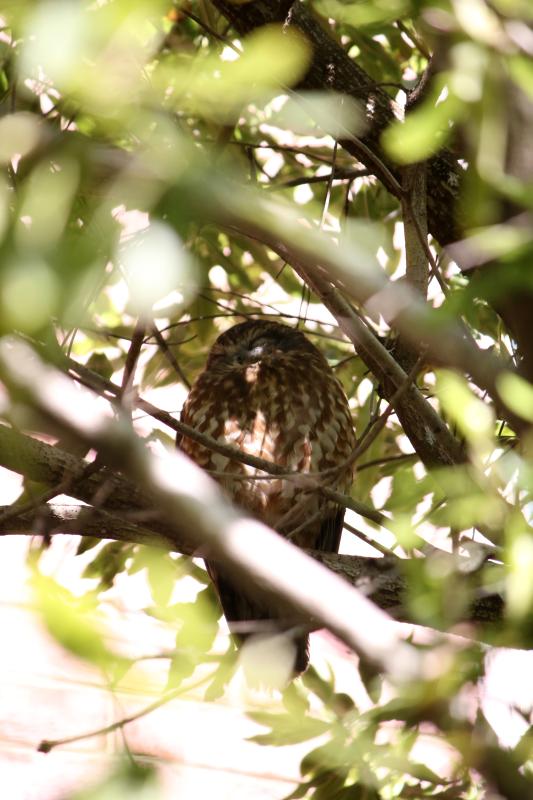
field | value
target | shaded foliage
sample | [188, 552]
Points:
[173, 168]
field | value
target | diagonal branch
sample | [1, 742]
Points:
[331, 265]
[192, 503]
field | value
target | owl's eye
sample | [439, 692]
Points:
[239, 356]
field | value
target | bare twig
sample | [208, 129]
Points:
[49, 744]
[132, 357]
[169, 355]
[339, 174]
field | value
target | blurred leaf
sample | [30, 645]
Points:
[371, 678]
[287, 729]
[196, 636]
[156, 266]
[517, 394]
[295, 700]
[521, 70]
[108, 562]
[326, 756]
[424, 131]
[474, 418]
[323, 689]
[519, 546]
[87, 543]
[73, 621]
[101, 365]
[19, 134]
[337, 115]
[406, 490]
[218, 88]
[362, 13]
[223, 675]
[130, 779]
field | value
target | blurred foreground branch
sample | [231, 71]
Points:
[192, 505]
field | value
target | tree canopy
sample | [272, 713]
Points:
[363, 171]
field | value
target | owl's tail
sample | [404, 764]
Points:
[242, 613]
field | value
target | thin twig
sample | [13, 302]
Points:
[387, 459]
[378, 426]
[96, 383]
[169, 355]
[48, 744]
[386, 551]
[132, 357]
[340, 174]
[208, 29]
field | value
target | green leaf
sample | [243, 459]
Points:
[326, 757]
[300, 791]
[73, 621]
[295, 700]
[323, 689]
[196, 636]
[517, 394]
[161, 574]
[286, 728]
[424, 132]
[362, 13]
[108, 562]
[87, 543]
[222, 676]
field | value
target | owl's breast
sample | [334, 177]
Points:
[294, 415]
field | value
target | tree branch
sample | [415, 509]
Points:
[331, 69]
[322, 265]
[380, 579]
[191, 503]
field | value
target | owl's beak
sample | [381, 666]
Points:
[255, 354]
[246, 357]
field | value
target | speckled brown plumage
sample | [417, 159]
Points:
[267, 390]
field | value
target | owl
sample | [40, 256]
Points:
[269, 392]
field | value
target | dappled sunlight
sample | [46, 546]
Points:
[266, 392]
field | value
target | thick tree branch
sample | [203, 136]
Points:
[50, 465]
[380, 579]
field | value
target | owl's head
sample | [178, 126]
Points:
[257, 341]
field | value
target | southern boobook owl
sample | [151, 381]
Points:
[269, 392]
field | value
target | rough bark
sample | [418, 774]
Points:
[128, 515]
